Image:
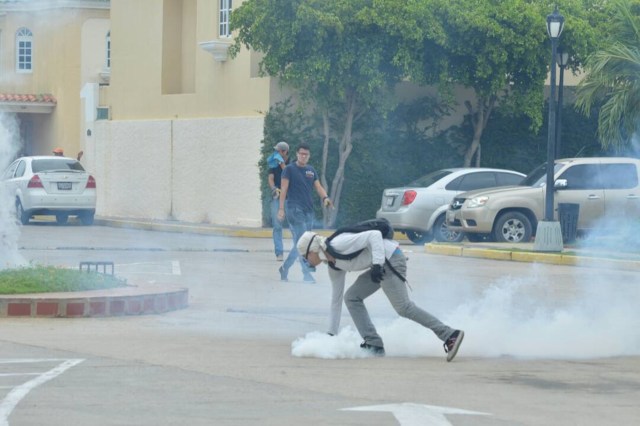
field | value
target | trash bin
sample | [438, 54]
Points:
[568, 215]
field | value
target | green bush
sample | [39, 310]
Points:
[49, 279]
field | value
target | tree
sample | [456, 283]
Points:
[499, 49]
[337, 60]
[613, 77]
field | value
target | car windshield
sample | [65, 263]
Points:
[51, 164]
[430, 179]
[538, 177]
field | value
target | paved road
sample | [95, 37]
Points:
[545, 344]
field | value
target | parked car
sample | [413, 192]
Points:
[602, 187]
[419, 209]
[50, 185]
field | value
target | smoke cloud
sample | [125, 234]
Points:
[9, 229]
[524, 317]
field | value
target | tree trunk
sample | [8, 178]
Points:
[479, 119]
[345, 147]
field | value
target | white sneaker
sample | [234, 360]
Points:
[279, 258]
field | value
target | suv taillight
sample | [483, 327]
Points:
[408, 197]
[91, 182]
[35, 182]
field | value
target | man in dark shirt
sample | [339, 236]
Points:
[298, 181]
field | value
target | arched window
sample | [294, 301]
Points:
[24, 50]
[108, 47]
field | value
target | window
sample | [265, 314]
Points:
[508, 179]
[225, 12]
[619, 176]
[582, 176]
[24, 50]
[472, 181]
[108, 48]
[21, 168]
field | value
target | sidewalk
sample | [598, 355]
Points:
[524, 252]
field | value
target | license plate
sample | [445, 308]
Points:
[390, 201]
[451, 216]
[64, 186]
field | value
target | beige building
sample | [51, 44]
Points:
[48, 51]
[169, 125]
[182, 138]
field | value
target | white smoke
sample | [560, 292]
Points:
[523, 317]
[9, 229]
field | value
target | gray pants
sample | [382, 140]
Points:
[396, 291]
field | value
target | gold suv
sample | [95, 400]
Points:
[606, 189]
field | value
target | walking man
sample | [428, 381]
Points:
[384, 265]
[281, 160]
[298, 181]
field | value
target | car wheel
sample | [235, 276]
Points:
[87, 218]
[419, 237]
[62, 218]
[20, 213]
[443, 234]
[512, 227]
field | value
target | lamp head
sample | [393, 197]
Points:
[562, 58]
[555, 24]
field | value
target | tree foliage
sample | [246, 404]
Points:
[337, 59]
[613, 77]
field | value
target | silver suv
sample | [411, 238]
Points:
[604, 188]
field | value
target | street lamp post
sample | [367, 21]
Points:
[548, 233]
[562, 58]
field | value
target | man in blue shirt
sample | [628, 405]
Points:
[298, 181]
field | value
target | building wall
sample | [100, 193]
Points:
[183, 141]
[152, 53]
[193, 170]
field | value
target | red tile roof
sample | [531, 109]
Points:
[17, 97]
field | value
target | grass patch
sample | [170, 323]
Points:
[50, 279]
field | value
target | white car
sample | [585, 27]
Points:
[419, 209]
[51, 185]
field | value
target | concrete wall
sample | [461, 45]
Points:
[193, 170]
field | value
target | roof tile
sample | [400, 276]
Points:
[43, 98]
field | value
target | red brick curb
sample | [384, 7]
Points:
[99, 303]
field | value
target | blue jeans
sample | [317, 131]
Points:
[277, 227]
[299, 222]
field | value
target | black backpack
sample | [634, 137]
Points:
[381, 225]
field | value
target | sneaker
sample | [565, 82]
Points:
[373, 350]
[453, 343]
[283, 273]
[279, 257]
[309, 279]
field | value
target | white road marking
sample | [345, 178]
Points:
[13, 398]
[410, 414]
[175, 267]
[18, 374]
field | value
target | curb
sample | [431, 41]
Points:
[208, 229]
[532, 257]
[99, 303]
